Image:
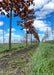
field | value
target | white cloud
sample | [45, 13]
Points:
[45, 8]
[45, 29]
[4, 11]
[16, 35]
[41, 25]
[41, 35]
[1, 23]
[41, 14]
[1, 37]
[39, 4]
[49, 6]
[1, 31]
[13, 35]
[24, 30]
[12, 29]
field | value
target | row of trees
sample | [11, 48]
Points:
[19, 8]
[30, 29]
[47, 34]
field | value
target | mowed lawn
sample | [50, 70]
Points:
[18, 46]
[42, 62]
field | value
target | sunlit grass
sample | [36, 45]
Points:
[43, 60]
[5, 48]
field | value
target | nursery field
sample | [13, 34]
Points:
[42, 62]
[18, 62]
[26, 37]
[5, 48]
[51, 41]
[37, 59]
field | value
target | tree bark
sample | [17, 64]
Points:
[31, 39]
[10, 31]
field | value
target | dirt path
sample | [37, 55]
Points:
[17, 63]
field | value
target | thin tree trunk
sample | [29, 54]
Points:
[52, 30]
[36, 40]
[31, 39]
[26, 38]
[10, 31]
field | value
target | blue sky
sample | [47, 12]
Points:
[44, 11]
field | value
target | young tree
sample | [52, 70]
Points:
[30, 31]
[34, 32]
[25, 25]
[29, 15]
[52, 31]
[46, 35]
[18, 7]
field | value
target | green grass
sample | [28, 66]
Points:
[43, 60]
[50, 41]
[13, 47]
[19, 62]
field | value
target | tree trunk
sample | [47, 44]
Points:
[36, 40]
[10, 31]
[31, 39]
[26, 38]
